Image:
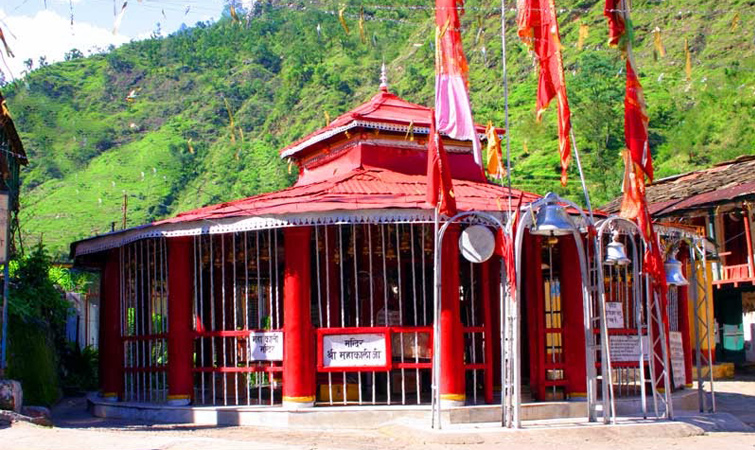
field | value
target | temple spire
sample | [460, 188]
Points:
[383, 79]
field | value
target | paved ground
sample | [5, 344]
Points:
[76, 429]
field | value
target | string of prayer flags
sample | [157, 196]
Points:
[660, 50]
[494, 153]
[584, 30]
[362, 36]
[119, 18]
[538, 28]
[343, 20]
[688, 62]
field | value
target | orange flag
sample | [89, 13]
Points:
[538, 28]
[440, 190]
[636, 122]
[495, 154]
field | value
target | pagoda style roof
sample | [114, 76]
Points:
[384, 111]
[726, 182]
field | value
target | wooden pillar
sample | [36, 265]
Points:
[299, 362]
[452, 376]
[111, 344]
[180, 333]
[573, 319]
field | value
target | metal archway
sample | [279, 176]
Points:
[440, 234]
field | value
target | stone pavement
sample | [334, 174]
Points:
[77, 429]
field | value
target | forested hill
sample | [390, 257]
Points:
[198, 117]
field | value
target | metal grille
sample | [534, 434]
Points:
[376, 276]
[144, 320]
[238, 282]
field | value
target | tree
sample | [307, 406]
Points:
[74, 53]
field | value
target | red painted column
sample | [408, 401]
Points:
[488, 320]
[532, 310]
[180, 333]
[299, 363]
[684, 325]
[111, 345]
[452, 376]
[573, 319]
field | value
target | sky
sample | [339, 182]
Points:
[35, 28]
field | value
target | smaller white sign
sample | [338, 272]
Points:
[676, 348]
[265, 346]
[626, 348]
[614, 315]
[354, 350]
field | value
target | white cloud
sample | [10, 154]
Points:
[51, 35]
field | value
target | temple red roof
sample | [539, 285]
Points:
[383, 111]
[361, 189]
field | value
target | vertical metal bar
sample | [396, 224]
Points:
[357, 299]
[235, 325]
[247, 374]
[212, 320]
[223, 324]
[708, 328]
[385, 303]
[327, 307]
[424, 281]
[400, 310]
[414, 303]
[200, 296]
[274, 286]
[435, 399]
[372, 296]
[260, 305]
[150, 330]
[319, 286]
[473, 323]
[341, 263]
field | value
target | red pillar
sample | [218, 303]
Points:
[532, 310]
[684, 325]
[488, 320]
[111, 345]
[298, 343]
[180, 334]
[573, 319]
[452, 376]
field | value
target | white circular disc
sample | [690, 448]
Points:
[477, 243]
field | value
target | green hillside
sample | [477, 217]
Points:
[275, 76]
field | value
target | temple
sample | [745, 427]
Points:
[324, 293]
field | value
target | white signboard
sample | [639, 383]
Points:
[677, 357]
[614, 315]
[354, 350]
[265, 346]
[626, 348]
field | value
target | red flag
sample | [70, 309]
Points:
[538, 28]
[636, 122]
[616, 24]
[452, 77]
[505, 249]
[440, 190]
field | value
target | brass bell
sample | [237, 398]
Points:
[673, 269]
[551, 220]
[615, 252]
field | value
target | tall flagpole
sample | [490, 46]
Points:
[506, 98]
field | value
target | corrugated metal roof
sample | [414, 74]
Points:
[371, 188]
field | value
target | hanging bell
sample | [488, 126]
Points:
[673, 269]
[615, 252]
[551, 220]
